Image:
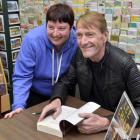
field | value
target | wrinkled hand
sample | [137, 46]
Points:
[12, 113]
[54, 105]
[92, 123]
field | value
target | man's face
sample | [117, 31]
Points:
[58, 33]
[91, 42]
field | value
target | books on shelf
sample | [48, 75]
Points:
[124, 120]
[4, 96]
[68, 118]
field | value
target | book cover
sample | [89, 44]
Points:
[68, 118]
[123, 121]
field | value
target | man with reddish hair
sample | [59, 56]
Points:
[102, 71]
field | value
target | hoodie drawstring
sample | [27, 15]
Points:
[58, 67]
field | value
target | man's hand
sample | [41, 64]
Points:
[12, 113]
[54, 105]
[92, 123]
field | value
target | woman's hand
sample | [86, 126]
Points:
[12, 113]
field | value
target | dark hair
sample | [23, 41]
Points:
[60, 12]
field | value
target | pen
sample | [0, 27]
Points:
[36, 113]
[48, 113]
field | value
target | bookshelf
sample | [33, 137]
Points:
[10, 37]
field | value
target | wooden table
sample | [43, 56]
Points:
[23, 125]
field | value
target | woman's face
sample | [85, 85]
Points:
[58, 33]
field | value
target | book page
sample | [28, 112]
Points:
[89, 107]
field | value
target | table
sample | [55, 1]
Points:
[23, 125]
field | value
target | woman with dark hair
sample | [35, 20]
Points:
[44, 56]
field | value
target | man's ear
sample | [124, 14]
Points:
[106, 35]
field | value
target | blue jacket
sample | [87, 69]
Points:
[33, 68]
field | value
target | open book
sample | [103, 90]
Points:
[123, 121]
[69, 117]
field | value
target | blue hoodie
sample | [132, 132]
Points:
[34, 67]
